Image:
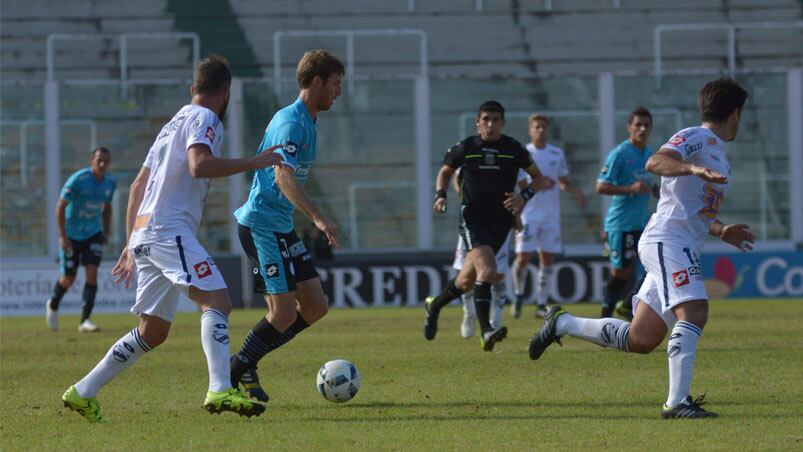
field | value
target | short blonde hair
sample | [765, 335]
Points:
[538, 117]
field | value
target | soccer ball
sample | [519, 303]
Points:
[338, 381]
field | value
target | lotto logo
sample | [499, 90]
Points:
[677, 140]
[680, 278]
[202, 269]
[210, 134]
[271, 270]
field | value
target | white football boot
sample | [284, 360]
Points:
[52, 316]
[88, 327]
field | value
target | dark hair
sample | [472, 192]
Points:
[98, 149]
[719, 98]
[491, 106]
[317, 63]
[639, 111]
[212, 75]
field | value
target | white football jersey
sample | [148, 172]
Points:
[689, 204]
[545, 206]
[174, 199]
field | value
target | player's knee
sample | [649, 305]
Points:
[486, 273]
[463, 283]
[66, 281]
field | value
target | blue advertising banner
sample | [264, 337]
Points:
[776, 275]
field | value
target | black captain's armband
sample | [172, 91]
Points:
[440, 194]
[527, 193]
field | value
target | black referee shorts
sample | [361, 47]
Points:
[478, 229]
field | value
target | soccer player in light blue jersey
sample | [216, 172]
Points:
[83, 215]
[286, 275]
[624, 179]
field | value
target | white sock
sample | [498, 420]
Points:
[122, 355]
[681, 349]
[544, 275]
[606, 332]
[468, 303]
[519, 279]
[215, 340]
[498, 296]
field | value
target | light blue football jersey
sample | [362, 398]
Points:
[86, 197]
[624, 166]
[267, 208]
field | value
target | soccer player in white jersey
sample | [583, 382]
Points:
[164, 211]
[541, 219]
[694, 174]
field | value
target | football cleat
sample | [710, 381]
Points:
[515, 308]
[88, 407]
[232, 400]
[468, 326]
[546, 336]
[540, 311]
[621, 310]
[688, 409]
[88, 327]
[431, 322]
[52, 316]
[250, 381]
[491, 338]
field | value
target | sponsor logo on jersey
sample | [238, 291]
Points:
[680, 278]
[210, 134]
[692, 148]
[272, 270]
[202, 269]
[677, 140]
[712, 141]
[696, 272]
[603, 170]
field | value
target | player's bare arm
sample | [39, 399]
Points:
[294, 192]
[514, 202]
[577, 194]
[636, 188]
[667, 162]
[124, 269]
[205, 165]
[738, 235]
[61, 220]
[441, 183]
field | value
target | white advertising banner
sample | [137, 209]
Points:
[25, 287]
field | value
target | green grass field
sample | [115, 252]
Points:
[415, 394]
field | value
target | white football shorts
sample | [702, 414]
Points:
[167, 268]
[674, 276]
[539, 236]
[502, 256]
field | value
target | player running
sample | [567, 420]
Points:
[489, 163]
[541, 218]
[624, 178]
[287, 278]
[83, 215]
[695, 175]
[165, 203]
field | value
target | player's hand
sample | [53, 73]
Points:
[330, 229]
[65, 243]
[708, 175]
[440, 205]
[267, 157]
[514, 203]
[124, 269]
[638, 187]
[738, 235]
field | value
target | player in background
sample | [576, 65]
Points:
[624, 179]
[83, 215]
[541, 218]
[287, 278]
[498, 290]
[694, 174]
[489, 163]
[165, 204]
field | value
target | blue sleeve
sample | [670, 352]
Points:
[611, 171]
[290, 136]
[69, 188]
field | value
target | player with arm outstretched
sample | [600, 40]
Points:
[286, 275]
[540, 218]
[165, 204]
[489, 163]
[694, 174]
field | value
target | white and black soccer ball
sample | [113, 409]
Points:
[338, 381]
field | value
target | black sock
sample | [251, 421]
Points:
[450, 292]
[58, 294]
[262, 339]
[482, 301]
[613, 293]
[89, 301]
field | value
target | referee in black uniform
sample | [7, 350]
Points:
[489, 163]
